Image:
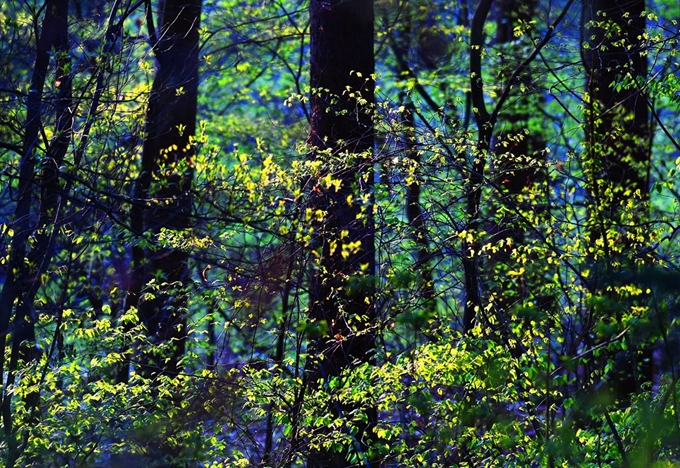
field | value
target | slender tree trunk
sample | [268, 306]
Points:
[485, 127]
[162, 192]
[415, 215]
[517, 153]
[473, 300]
[342, 287]
[414, 212]
[26, 266]
[518, 159]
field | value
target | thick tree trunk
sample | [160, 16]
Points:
[342, 284]
[617, 127]
[616, 162]
[162, 193]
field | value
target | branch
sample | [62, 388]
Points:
[153, 37]
[593, 349]
[663, 127]
[617, 438]
[549, 35]
[11, 147]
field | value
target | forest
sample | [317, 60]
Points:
[339, 233]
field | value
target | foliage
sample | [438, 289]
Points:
[572, 357]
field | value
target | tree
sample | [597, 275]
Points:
[486, 124]
[616, 69]
[342, 301]
[401, 42]
[162, 198]
[26, 265]
[617, 159]
[518, 164]
[265, 298]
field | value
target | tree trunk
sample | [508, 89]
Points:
[342, 302]
[401, 45]
[473, 300]
[617, 119]
[518, 162]
[616, 162]
[26, 266]
[162, 193]
[485, 127]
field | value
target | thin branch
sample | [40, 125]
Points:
[617, 438]
[513, 78]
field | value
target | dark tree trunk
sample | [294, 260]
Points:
[415, 217]
[162, 193]
[26, 266]
[485, 127]
[616, 162]
[342, 284]
[617, 126]
[473, 301]
[518, 154]
[518, 160]
[401, 45]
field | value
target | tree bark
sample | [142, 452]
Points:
[471, 271]
[342, 287]
[162, 192]
[616, 162]
[27, 265]
[613, 51]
